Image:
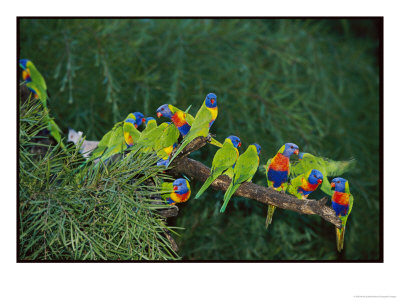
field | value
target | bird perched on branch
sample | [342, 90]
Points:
[176, 192]
[304, 184]
[326, 166]
[342, 204]
[223, 159]
[37, 85]
[85, 147]
[245, 168]
[204, 119]
[278, 170]
[123, 135]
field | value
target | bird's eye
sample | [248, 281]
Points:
[338, 182]
[291, 147]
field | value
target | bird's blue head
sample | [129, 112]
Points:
[181, 186]
[164, 110]
[339, 184]
[132, 121]
[235, 141]
[290, 149]
[315, 177]
[149, 119]
[23, 62]
[258, 147]
[139, 118]
[211, 100]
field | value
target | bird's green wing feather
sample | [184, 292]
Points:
[294, 185]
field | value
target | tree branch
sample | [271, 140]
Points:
[200, 172]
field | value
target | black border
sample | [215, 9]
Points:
[381, 161]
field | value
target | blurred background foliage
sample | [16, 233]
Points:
[313, 82]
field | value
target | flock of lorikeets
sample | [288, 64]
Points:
[306, 174]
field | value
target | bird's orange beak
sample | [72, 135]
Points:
[159, 114]
[212, 100]
[143, 120]
[296, 151]
[175, 188]
[319, 180]
[333, 184]
[136, 126]
[240, 144]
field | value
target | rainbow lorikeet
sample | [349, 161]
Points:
[120, 137]
[223, 159]
[342, 204]
[176, 192]
[182, 120]
[304, 184]
[278, 170]
[326, 166]
[245, 168]
[204, 119]
[37, 85]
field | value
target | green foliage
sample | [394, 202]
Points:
[311, 82]
[96, 212]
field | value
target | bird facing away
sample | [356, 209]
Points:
[304, 184]
[223, 159]
[176, 192]
[245, 168]
[278, 170]
[342, 204]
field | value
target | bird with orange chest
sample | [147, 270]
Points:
[277, 171]
[176, 192]
[342, 204]
[304, 184]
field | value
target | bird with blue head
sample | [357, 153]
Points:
[277, 171]
[224, 158]
[180, 191]
[342, 204]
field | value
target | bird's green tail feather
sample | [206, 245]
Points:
[271, 210]
[340, 238]
[215, 143]
[205, 186]
[228, 194]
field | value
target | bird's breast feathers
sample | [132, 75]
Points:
[307, 186]
[341, 198]
[180, 197]
[214, 112]
[179, 119]
[280, 163]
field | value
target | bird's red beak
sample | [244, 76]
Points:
[333, 184]
[319, 180]
[212, 100]
[175, 188]
[296, 151]
[136, 126]
[143, 120]
[159, 114]
[240, 144]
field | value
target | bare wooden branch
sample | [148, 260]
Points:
[200, 172]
